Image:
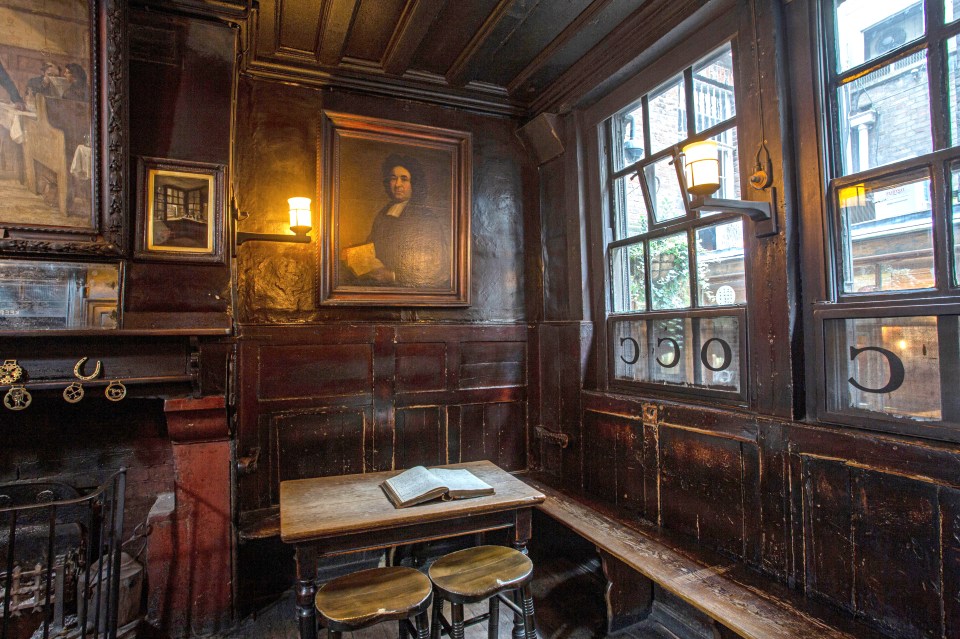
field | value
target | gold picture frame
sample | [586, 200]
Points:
[396, 203]
[180, 216]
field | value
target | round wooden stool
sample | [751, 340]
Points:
[372, 596]
[475, 574]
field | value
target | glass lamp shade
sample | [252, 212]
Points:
[701, 167]
[300, 222]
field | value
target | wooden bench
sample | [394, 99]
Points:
[741, 602]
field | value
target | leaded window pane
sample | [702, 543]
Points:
[630, 205]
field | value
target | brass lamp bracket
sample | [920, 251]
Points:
[300, 233]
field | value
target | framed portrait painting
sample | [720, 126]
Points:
[62, 121]
[397, 213]
[180, 210]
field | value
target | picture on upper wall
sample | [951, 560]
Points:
[46, 114]
[180, 212]
[397, 213]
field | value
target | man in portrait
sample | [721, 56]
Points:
[408, 245]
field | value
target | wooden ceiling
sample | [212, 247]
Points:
[513, 57]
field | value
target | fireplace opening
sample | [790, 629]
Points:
[61, 561]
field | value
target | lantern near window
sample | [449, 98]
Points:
[701, 167]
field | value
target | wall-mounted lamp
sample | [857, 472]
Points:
[701, 170]
[300, 224]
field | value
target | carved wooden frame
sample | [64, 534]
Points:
[107, 234]
[343, 134]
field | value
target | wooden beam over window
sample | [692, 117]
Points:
[458, 72]
[572, 29]
[416, 20]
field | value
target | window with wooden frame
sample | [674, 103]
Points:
[888, 338]
[676, 277]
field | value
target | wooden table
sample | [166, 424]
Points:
[329, 516]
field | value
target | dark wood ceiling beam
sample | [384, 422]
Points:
[642, 30]
[337, 18]
[457, 73]
[411, 29]
[557, 43]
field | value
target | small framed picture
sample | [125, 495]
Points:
[180, 211]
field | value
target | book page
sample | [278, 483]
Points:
[461, 483]
[361, 259]
[412, 487]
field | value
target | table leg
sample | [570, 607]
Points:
[307, 590]
[522, 529]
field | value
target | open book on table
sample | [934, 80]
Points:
[418, 485]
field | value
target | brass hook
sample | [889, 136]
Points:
[76, 370]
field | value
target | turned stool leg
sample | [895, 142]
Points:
[333, 634]
[519, 629]
[529, 623]
[422, 622]
[493, 624]
[402, 629]
[456, 620]
[435, 619]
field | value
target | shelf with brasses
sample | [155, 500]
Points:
[701, 353]
[891, 367]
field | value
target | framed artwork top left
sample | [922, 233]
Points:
[62, 122]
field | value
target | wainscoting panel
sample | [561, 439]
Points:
[348, 398]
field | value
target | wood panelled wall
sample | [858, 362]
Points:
[334, 390]
[339, 398]
[867, 522]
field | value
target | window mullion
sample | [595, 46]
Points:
[692, 265]
[940, 203]
[647, 286]
[937, 75]
[688, 100]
